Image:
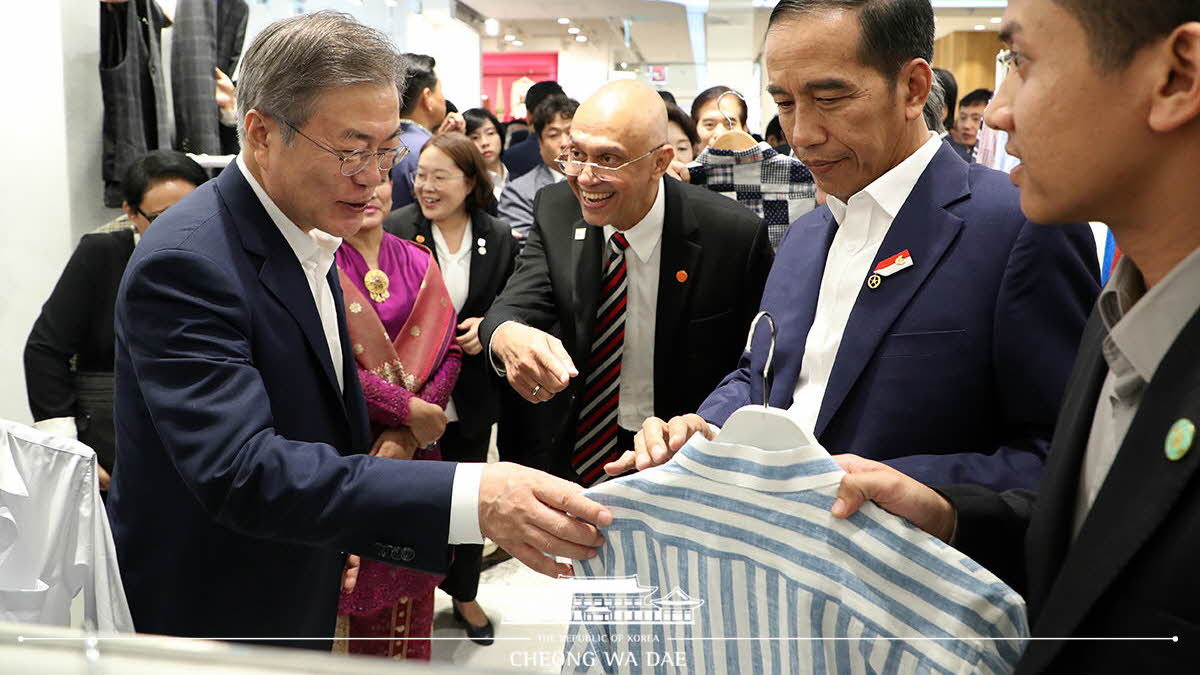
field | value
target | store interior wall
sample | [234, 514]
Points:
[51, 173]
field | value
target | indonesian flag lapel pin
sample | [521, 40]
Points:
[901, 261]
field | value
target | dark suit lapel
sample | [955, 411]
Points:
[585, 257]
[680, 254]
[281, 272]
[1138, 495]
[926, 230]
[807, 267]
[479, 279]
[353, 403]
[1050, 528]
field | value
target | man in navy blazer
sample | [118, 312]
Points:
[241, 477]
[922, 319]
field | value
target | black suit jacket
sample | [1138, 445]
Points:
[715, 260]
[477, 392]
[1132, 570]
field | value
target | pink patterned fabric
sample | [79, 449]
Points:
[389, 601]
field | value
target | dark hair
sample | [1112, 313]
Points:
[540, 92]
[156, 166]
[668, 97]
[466, 157]
[774, 128]
[892, 32]
[450, 107]
[676, 115]
[712, 94]
[420, 77]
[977, 97]
[950, 87]
[1118, 29]
[475, 117]
[550, 109]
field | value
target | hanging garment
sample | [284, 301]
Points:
[778, 188]
[207, 36]
[136, 114]
[55, 541]
[737, 542]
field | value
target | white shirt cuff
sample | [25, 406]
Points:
[496, 364]
[228, 116]
[59, 426]
[464, 504]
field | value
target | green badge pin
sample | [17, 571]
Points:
[1179, 439]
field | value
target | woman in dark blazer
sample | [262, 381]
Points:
[69, 354]
[476, 254]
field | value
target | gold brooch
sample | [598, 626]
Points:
[377, 285]
[355, 308]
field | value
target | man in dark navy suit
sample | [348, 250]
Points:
[241, 427]
[922, 319]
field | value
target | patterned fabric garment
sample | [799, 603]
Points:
[744, 570]
[778, 188]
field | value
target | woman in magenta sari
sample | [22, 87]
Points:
[401, 324]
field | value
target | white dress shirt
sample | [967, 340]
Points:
[1142, 326]
[456, 274]
[499, 180]
[641, 310]
[863, 222]
[55, 541]
[315, 251]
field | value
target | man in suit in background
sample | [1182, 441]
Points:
[922, 320]
[653, 288]
[964, 135]
[422, 115]
[525, 156]
[241, 425]
[552, 130]
[1106, 547]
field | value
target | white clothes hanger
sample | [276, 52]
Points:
[764, 427]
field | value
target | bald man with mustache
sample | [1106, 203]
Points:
[634, 293]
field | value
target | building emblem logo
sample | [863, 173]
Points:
[622, 600]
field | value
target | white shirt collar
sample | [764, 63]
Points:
[314, 246]
[892, 189]
[643, 238]
[10, 478]
[443, 248]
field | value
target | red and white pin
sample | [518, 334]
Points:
[901, 261]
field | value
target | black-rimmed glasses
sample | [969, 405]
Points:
[358, 160]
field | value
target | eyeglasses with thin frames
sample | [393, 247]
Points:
[572, 167]
[434, 181]
[149, 218]
[358, 160]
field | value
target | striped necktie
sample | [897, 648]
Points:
[596, 431]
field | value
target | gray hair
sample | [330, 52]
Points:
[935, 106]
[293, 61]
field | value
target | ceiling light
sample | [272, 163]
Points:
[980, 26]
[510, 37]
[996, 19]
[573, 30]
[491, 27]
[518, 43]
[564, 20]
[581, 38]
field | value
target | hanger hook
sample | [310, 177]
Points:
[728, 119]
[766, 374]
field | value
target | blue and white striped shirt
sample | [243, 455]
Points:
[785, 586]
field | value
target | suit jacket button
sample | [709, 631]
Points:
[407, 554]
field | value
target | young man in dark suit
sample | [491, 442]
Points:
[241, 427]
[1106, 547]
[653, 288]
[922, 319]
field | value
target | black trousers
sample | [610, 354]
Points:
[462, 579]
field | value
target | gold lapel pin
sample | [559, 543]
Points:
[873, 281]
